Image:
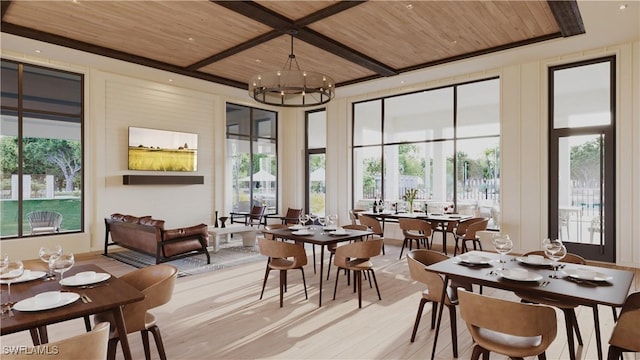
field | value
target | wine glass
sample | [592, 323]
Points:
[313, 218]
[62, 263]
[304, 218]
[45, 254]
[555, 251]
[4, 261]
[323, 221]
[13, 270]
[503, 245]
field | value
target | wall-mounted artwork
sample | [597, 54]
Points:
[162, 150]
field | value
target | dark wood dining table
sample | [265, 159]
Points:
[588, 293]
[441, 219]
[318, 237]
[111, 295]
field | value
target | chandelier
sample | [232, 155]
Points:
[292, 87]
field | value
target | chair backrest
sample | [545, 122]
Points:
[157, 283]
[357, 250]
[468, 228]
[44, 219]
[413, 227]
[483, 313]
[353, 215]
[417, 260]
[371, 223]
[273, 227]
[87, 346]
[627, 332]
[282, 250]
[292, 216]
[256, 212]
[570, 258]
[355, 227]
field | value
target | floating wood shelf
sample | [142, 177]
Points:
[162, 180]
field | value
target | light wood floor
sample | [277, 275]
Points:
[219, 316]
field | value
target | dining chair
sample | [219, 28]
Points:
[626, 333]
[332, 247]
[255, 216]
[283, 256]
[448, 228]
[353, 216]
[467, 231]
[374, 226]
[86, 346]
[156, 282]
[506, 327]
[356, 257]
[418, 260]
[417, 230]
[567, 307]
[292, 216]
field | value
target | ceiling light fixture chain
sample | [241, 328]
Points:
[291, 87]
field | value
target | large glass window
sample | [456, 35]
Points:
[42, 151]
[582, 157]
[316, 155]
[252, 158]
[443, 142]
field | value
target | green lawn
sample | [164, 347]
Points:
[70, 208]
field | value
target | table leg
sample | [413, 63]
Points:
[435, 339]
[122, 332]
[596, 324]
[444, 236]
[321, 272]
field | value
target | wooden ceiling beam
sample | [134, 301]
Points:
[99, 50]
[567, 15]
[283, 24]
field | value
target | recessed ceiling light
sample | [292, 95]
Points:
[410, 6]
[38, 51]
[170, 80]
[191, 39]
[258, 60]
[623, 7]
[401, 81]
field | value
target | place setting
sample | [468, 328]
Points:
[472, 260]
[587, 277]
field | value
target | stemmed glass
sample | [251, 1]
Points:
[62, 263]
[45, 254]
[503, 245]
[313, 218]
[555, 251]
[13, 270]
[4, 261]
[322, 220]
[303, 218]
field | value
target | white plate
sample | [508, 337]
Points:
[521, 275]
[27, 276]
[301, 232]
[74, 281]
[526, 260]
[474, 259]
[297, 227]
[338, 233]
[29, 304]
[595, 276]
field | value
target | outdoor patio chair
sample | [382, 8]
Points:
[42, 222]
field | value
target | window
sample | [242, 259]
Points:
[316, 155]
[409, 141]
[252, 158]
[42, 150]
[582, 157]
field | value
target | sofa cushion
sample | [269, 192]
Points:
[152, 222]
[185, 246]
[128, 218]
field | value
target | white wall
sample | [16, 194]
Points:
[137, 96]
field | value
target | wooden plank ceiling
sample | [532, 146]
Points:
[230, 41]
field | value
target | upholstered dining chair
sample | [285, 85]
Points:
[292, 216]
[417, 260]
[157, 283]
[356, 257]
[283, 256]
[506, 327]
[626, 333]
[332, 247]
[467, 231]
[417, 230]
[374, 226]
[567, 307]
[86, 346]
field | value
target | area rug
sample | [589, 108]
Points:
[229, 255]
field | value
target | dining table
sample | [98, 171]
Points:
[108, 295]
[317, 235]
[442, 219]
[575, 283]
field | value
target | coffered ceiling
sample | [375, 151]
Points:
[228, 42]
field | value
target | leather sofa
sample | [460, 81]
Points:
[147, 235]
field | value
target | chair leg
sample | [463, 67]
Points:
[404, 243]
[145, 344]
[423, 301]
[335, 288]
[434, 315]
[615, 353]
[569, 320]
[373, 274]
[359, 281]
[266, 275]
[477, 351]
[542, 356]
[283, 279]
[87, 323]
[111, 348]
[155, 330]
[304, 282]
[454, 330]
[383, 248]
[329, 265]
[313, 247]
[615, 314]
